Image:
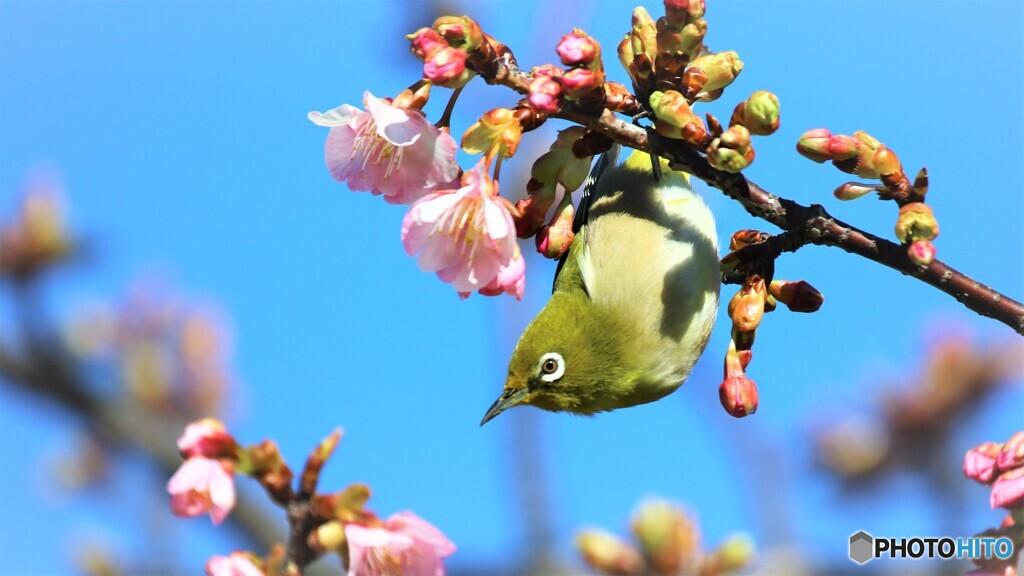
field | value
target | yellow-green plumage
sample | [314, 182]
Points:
[634, 303]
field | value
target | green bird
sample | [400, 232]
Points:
[634, 299]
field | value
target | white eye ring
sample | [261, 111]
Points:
[551, 366]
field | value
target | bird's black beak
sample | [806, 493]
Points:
[508, 399]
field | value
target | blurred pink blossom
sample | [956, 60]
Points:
[386, 150]
[1008, 490]
[466, 236]
[237, 564]
[202, 485]
[206, 437]
[979, 463]
[405, 544]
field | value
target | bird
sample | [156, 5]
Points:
[634, 299]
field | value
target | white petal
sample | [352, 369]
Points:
[336, 117]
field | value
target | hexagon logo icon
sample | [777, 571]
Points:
[861, 547]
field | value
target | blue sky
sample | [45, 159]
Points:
[179, 131]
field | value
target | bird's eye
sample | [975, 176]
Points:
[551, 366]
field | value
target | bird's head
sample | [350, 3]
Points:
[565, 361]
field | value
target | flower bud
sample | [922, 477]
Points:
[813, 144]
[920, 187]
[738, 395]
[496, 133]
[425, 42]
[1012, 453]
[731, 151]
[721, 68]
[743, 238]
[533, 210]
[545, 94]
[667, 537]
[581, 81]
[853, 190]
[797, 296]
[886, 162]
[207, 438]
[675, 119]
[747, 307]
[916, 222]
[733, 555]
[608, 554]
[679, 13]
[759, 113]
[460, 31]
[855, 154]
[921, 252]
[677, 46]
[625, 51]
[554, 239]
[1008, 490]
[578, 49]
[618, 98]
[980, 462]
[447, 67]
[329, 537]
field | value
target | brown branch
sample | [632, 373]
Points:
[124, 425]
[813, 224]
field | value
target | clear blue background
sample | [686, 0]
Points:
[179, 130]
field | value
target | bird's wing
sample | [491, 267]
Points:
[606, 160]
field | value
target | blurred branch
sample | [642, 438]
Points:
[124, 425]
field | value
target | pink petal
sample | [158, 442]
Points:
[498, 219]
[193, 474]
[342, 162]
[1008, 490]
[979, 463]
[400, 127]
[341, 115]
[419, 221]
[222, 494]
[418, 528]
[1012, 453]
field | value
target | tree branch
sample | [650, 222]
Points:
[812, 224]
[124, 425]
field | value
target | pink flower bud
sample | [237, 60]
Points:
[425, 42]
[207, 438]
[921, 252]
[1008, 490]
[853, 190]
[533, 210]
[814, 143]
[682, 12]
[738, 396]
[1012, 453]
[554, 240]
[797, 296]
[578, 49]
[545, 94]
[980, 462]
[445, 65]
[579, 81]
